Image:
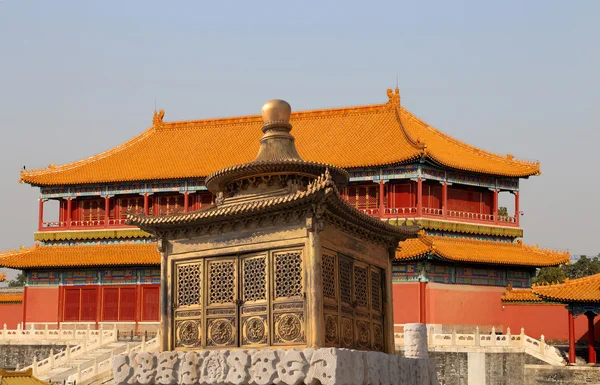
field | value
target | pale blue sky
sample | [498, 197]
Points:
[521, 77]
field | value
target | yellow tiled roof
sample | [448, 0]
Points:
[586, 289]
[11, 297]
[363, 136]
[478, 251]
[20, 378]
[520, 295]
[120, 254]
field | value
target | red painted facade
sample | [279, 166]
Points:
[470, 306]
[11, 314]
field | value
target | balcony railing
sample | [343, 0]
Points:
[112, 222]
[451, 215]
[401, 211]
[388, 212]
[468, 215]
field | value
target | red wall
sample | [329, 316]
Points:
[41, 304]
[11, 315]
[405, 299]
[482, 305]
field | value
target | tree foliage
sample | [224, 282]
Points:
[582, 268]
[502, 211]
[18, 281]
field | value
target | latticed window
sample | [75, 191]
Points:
[131, 205]
[92, 209]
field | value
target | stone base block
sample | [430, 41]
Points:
[325, 366]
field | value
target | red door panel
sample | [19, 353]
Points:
[150, 304]
[88, 304]
[72, 301]
[110, 306]
[127, 312]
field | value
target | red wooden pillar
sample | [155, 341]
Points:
[24, 307]
[422, 302]
[41, 215]
[186, 202]
[146, 208]
[69, 212]
[495, 204]
[381, 198]
[444, 199]
[138, 307]
[99, 301]
[591, 350]
[517, 210]
[419, 197]
[106, 210]
[571, 338]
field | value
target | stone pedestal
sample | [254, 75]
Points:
[326, 366]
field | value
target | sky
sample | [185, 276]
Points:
[519, 77]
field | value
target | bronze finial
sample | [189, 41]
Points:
[277, 143]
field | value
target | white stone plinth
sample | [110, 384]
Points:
[325, 366]
[415, 341]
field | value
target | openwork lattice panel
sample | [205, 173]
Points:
[288, 274]
[255, 272]
[189, 282]
[329, 276]
[346, 281]
[376, 290]
[360, 286]
[221, 282]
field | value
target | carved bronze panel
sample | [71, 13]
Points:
[288, 274]
[189, 282]
[329, 277]
[347, 333]
[363, 335]
[221, 332]
[331, 330]
[289, 328]
[255, 330]
[187, 333]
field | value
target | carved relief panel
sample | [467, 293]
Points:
[222, 302]
[250, 300]
[255, 297]
[187, 304]
[353, 303]
[288, 304]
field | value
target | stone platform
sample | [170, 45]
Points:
[326, 366]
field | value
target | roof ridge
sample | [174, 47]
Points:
[465, 145]
[532, 248]
[82, 162]
[242, 119]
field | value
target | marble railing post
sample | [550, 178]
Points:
[415, 341]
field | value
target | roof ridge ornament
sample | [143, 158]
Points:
[157, 119]
[394, 96]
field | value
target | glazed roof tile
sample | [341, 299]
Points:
[120, 254]
[479, 251]
[586, 289]
[362, 136]
[520, 295]
[11, 298]
[20, 378]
